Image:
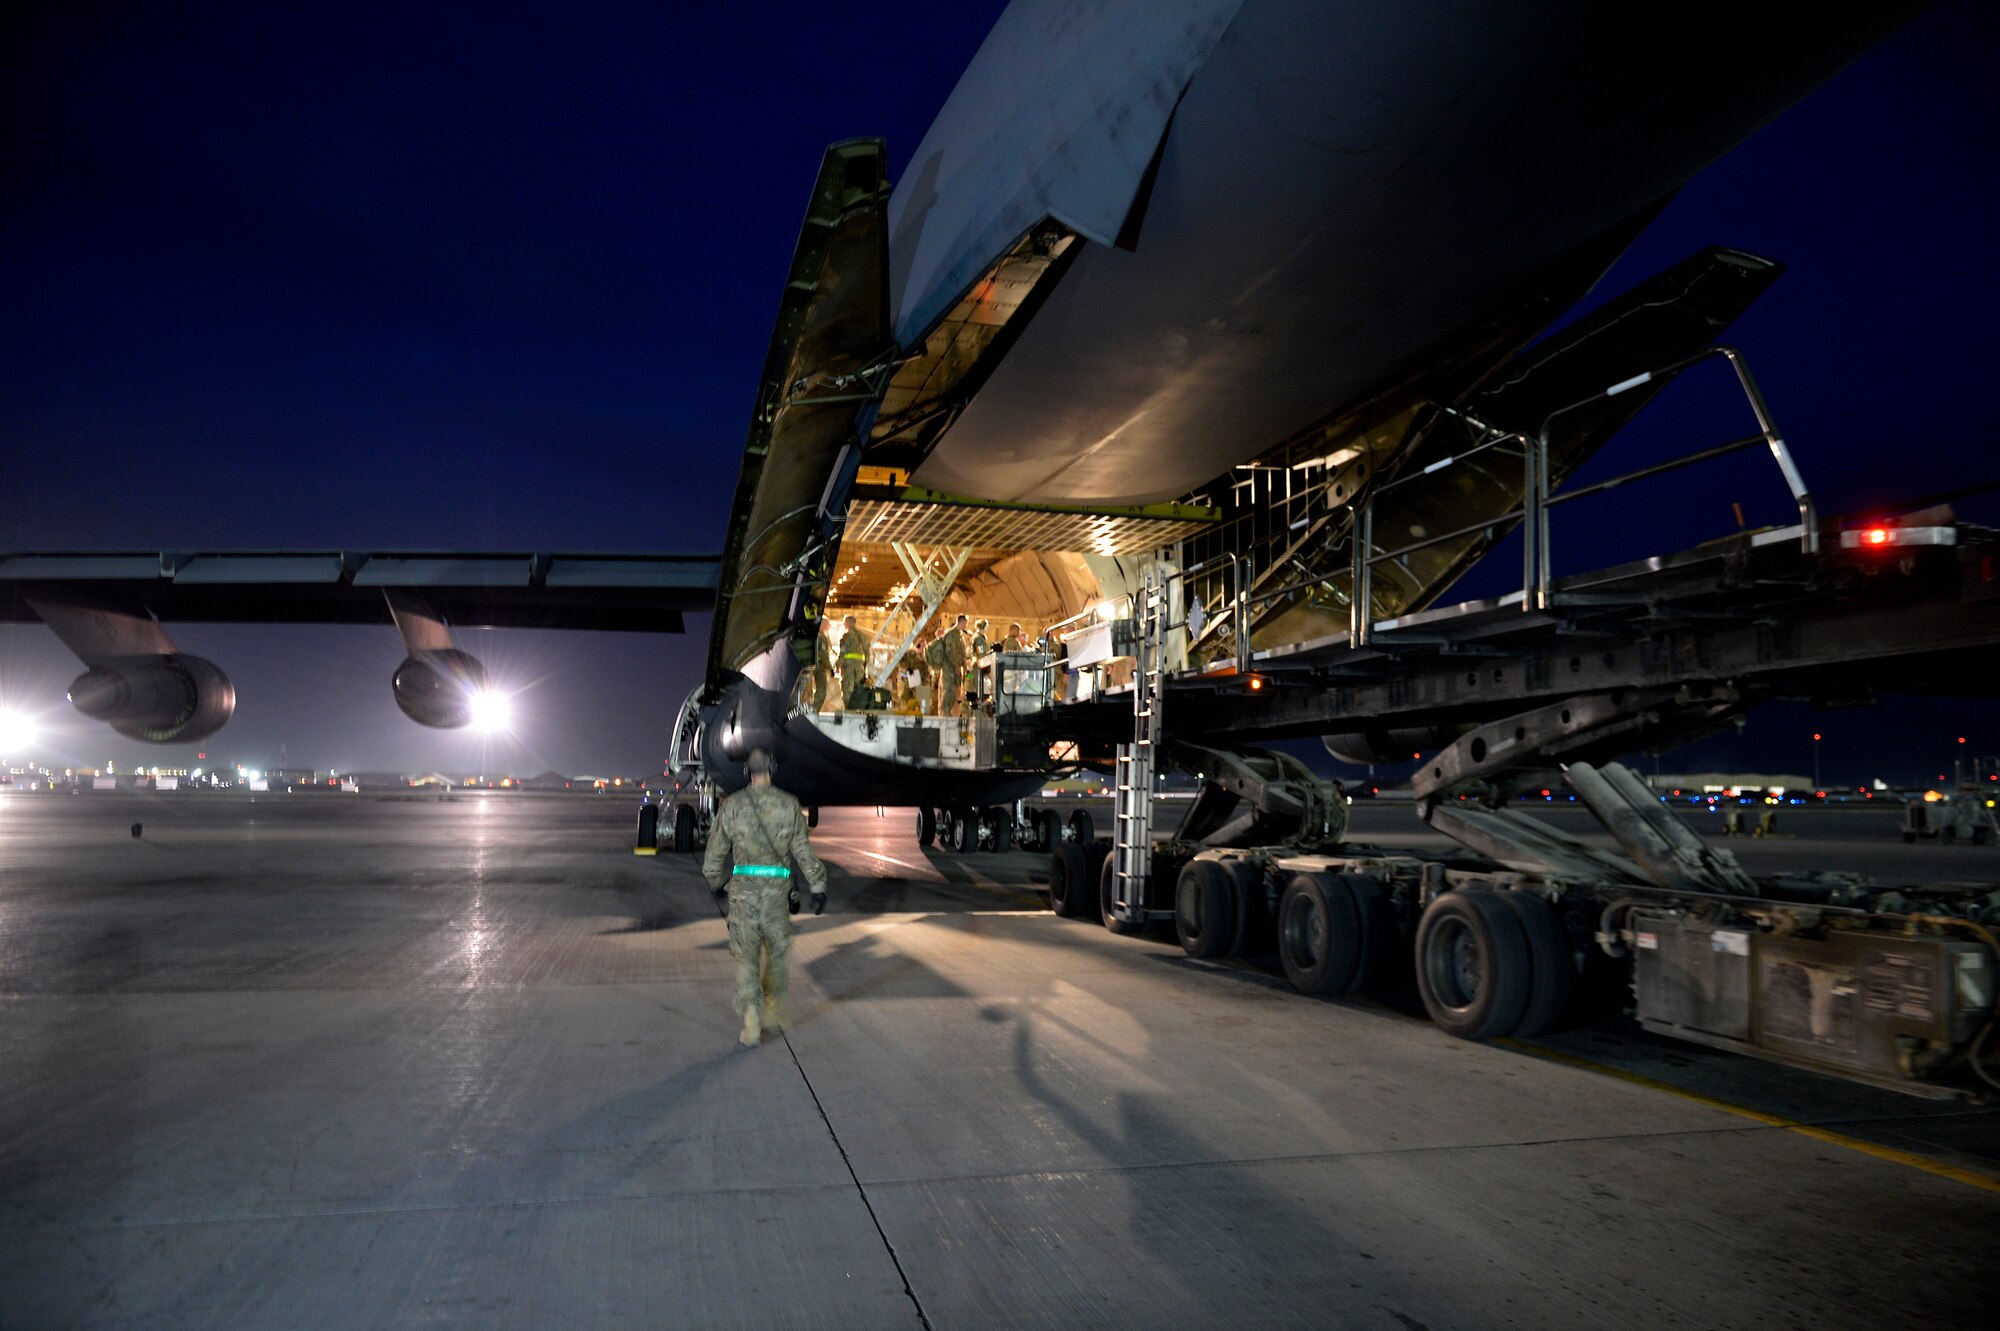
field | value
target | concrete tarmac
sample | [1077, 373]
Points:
[347, 1061]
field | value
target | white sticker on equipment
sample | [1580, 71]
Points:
[1733, 941]
[1651, 942]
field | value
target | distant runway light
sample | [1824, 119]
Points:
[491, 712]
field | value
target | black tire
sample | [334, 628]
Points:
[926, 827]
[684, 829]
[649, 827]
[1256, 928]
[964, 830]
[1106, 877]
[1319, 933]
[1909, 838]
[1050, 823]
[1081, 826]
[1947, 835]
[812, 816]
[1095, 853]
[1206, 913]
[1003, 828]
[1554, 977]
[1069, 870]
[1473, 966]
[1383, 952]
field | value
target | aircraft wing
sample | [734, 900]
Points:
[507, 589]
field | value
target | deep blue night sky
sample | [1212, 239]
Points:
[399, 277]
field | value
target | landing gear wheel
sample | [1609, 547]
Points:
[683, 830]
[1554, 974]
[649, 827]
[1107, 886]
[1319, 933]
[1472, 965]
[1081, 827]
[926, 827]
[1003, 828]
[1205, 909]
[964, 830]
[1069, 880]
[1050, 823]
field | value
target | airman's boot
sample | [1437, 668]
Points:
[751, 1032]
[772, 1022]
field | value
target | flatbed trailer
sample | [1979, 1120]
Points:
[1822, 971]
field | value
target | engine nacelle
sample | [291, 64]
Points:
[436, 689]
[171, 698]
[1364, 748]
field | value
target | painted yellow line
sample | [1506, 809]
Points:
[1908, 1159]
[645, 850]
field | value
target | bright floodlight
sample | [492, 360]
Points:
[17, 731]
[490, 711]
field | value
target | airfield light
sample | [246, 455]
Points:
[17, 730]
[491, 711]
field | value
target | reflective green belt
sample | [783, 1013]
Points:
[852, 656]
[763, 871]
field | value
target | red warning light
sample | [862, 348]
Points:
[1256, 682]
[1875, 536]
[1815, 737]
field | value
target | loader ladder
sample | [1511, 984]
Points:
[1138, 762]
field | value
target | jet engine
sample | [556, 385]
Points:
[1364, 748]
[162, 699]
[437, 688]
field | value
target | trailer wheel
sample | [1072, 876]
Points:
[1091, 895]
[649, 827]
[1319, 933]
[1947, 835]
[926, 826]
[1472, 965]
[684, 829]
[812, 816]
[1069, 875]
[964, 830]
[1003, 828]
[1107, 886]
[1081, 827]
[1554, 977]
[1255, 927]
[1382, 951]
[1206, 910]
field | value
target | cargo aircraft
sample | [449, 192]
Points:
[1153, 263]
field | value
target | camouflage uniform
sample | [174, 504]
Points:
[760, 827]
[822, 670]
[952, 682]
[853, 656]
